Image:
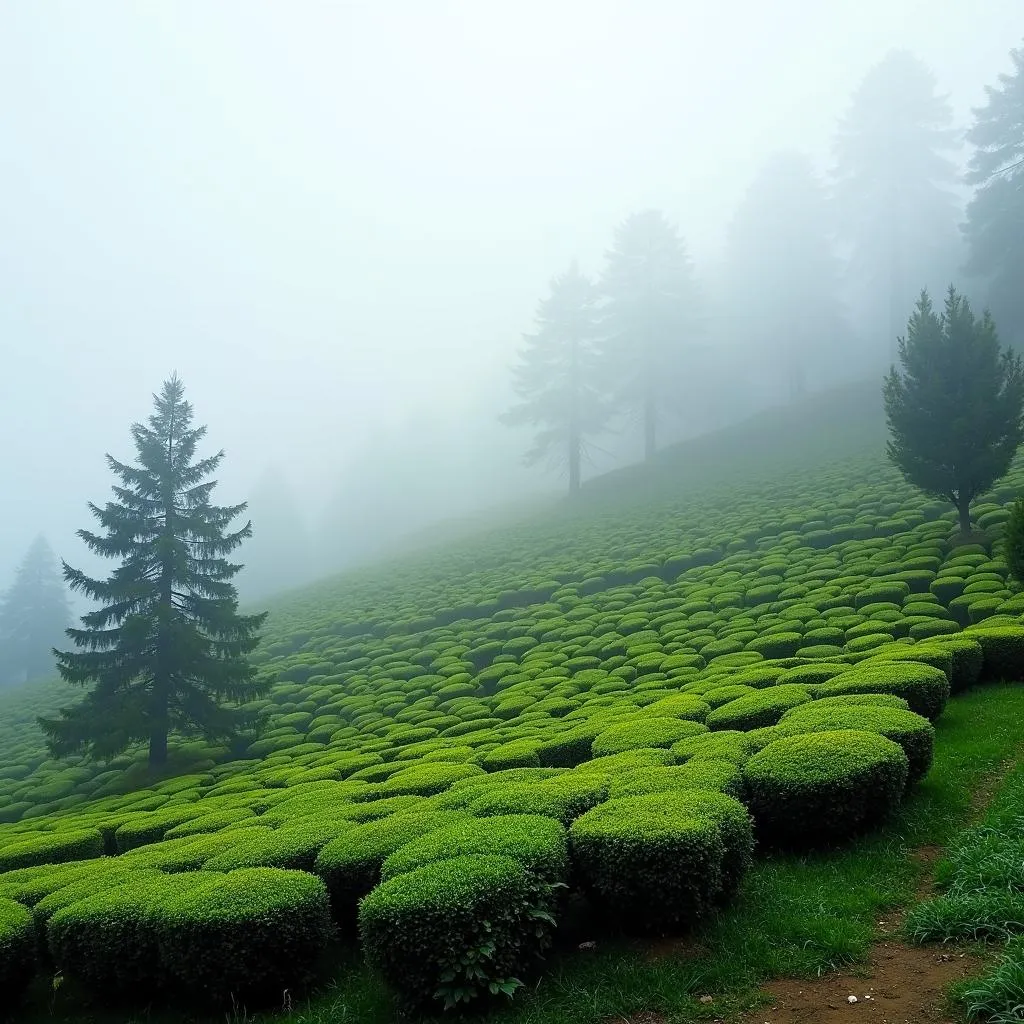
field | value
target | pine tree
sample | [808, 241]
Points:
[995, 216]
[893, 190]
[166, 650]
[557, 377]
[653, 314]
[33, 616]
[782, 278]
[956, 409]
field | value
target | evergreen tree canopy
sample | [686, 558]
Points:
[995, 216]
[557, 377]
[893, 183]
[652, 315]
[782, 277]
[33, 616]
[166, 650]
[956, 409]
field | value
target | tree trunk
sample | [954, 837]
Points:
[964, 508]
[650, 427]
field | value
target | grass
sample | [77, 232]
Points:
[796, 916]
[982, 900]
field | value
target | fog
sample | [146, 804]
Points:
[335, 221]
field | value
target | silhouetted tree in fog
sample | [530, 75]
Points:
[33, 616]
[166, 651]
[995, 216]
[652, 315]
[781, 302]
[557, 378]
[955, 409]
[893, 182]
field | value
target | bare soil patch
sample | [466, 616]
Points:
[900, 984]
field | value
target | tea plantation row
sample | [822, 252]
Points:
[617, 702]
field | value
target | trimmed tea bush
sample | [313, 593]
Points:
[923, 687]
[51, 848]
[643, 733]
[1002, 653]
[824, 787]
[456, 930]
[17, 952]
[252, 934]
[350, 865]
[536, 842]
[758, 709]
[912, 732]
[657, 861]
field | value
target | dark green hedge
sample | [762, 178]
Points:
[914, 733]
[17, 953]
[655, 862]
[51, 848]
[456, 930]
[538, 843]
[824, 787]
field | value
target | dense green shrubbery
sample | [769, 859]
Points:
[1002, 652]
[538, 843]
[254, 934]
[456, 930]
[350, 865]
[822, 787]
[924, 687]
[249, 934]
[758, 709]
[660, 861]
[912, 732]
[643, 733]
[51, 848]
[564, 798]
[540, 675]
[17, 952]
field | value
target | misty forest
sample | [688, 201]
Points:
[512, 513]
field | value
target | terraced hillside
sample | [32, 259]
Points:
[749, 640]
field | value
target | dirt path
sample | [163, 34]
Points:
[900, 984]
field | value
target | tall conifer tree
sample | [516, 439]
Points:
[995, 216]
[893, 189]
[166, 650]
[557, 377]
[955, 408]
[652, 315]
[33, 616]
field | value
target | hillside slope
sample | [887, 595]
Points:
[760, 627]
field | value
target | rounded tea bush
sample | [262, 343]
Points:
[758, 709]
[824, 787]
[17, 951]
[51, 848]
[455, 930]
[1002, 653]
[350, 865]
[924, 687]
[912, 732]
[536, 842]
[253, 934]
[658, 861]
[644, 733]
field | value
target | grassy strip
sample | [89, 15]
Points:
[796, 916]
[982, 878]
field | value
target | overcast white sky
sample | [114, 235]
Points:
[328, 216]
